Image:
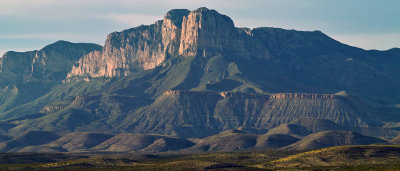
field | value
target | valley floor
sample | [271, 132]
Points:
[372, 157]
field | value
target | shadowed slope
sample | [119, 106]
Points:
[32, 138]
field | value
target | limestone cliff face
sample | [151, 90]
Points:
[182, 33]
[124, 52]
[50, 64]
[135, 49]
[205, 32]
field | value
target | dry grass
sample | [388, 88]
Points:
[378, 157]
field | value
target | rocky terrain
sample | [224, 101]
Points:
[191, 82]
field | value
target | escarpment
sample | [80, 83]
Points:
[133, 50]
[206, 33]
[182, 33]
[48, 65]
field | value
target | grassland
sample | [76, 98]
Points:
[376, 157]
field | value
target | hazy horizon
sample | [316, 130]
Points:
[28, 25]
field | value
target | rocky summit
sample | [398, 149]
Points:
[195, 82]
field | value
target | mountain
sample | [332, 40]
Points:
[332, 138]
[240, 56]
[193, 74]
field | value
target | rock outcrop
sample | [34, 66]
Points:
[302, 96]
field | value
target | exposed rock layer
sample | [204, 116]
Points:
[201, 32]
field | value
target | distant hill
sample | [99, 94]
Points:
[332, 138]
[275, 141]
[137, 142]
[317, 125]
[226, 141]
[79, 141]
[290, 129]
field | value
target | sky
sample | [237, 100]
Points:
[32, 24]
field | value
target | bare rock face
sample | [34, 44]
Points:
[205, 32]
[50, 64]
[135, 49]
[124, 52]
[182, 33]
[171, 30]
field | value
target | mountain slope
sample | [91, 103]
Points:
[196, 114]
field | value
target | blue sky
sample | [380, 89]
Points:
[32, 24]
